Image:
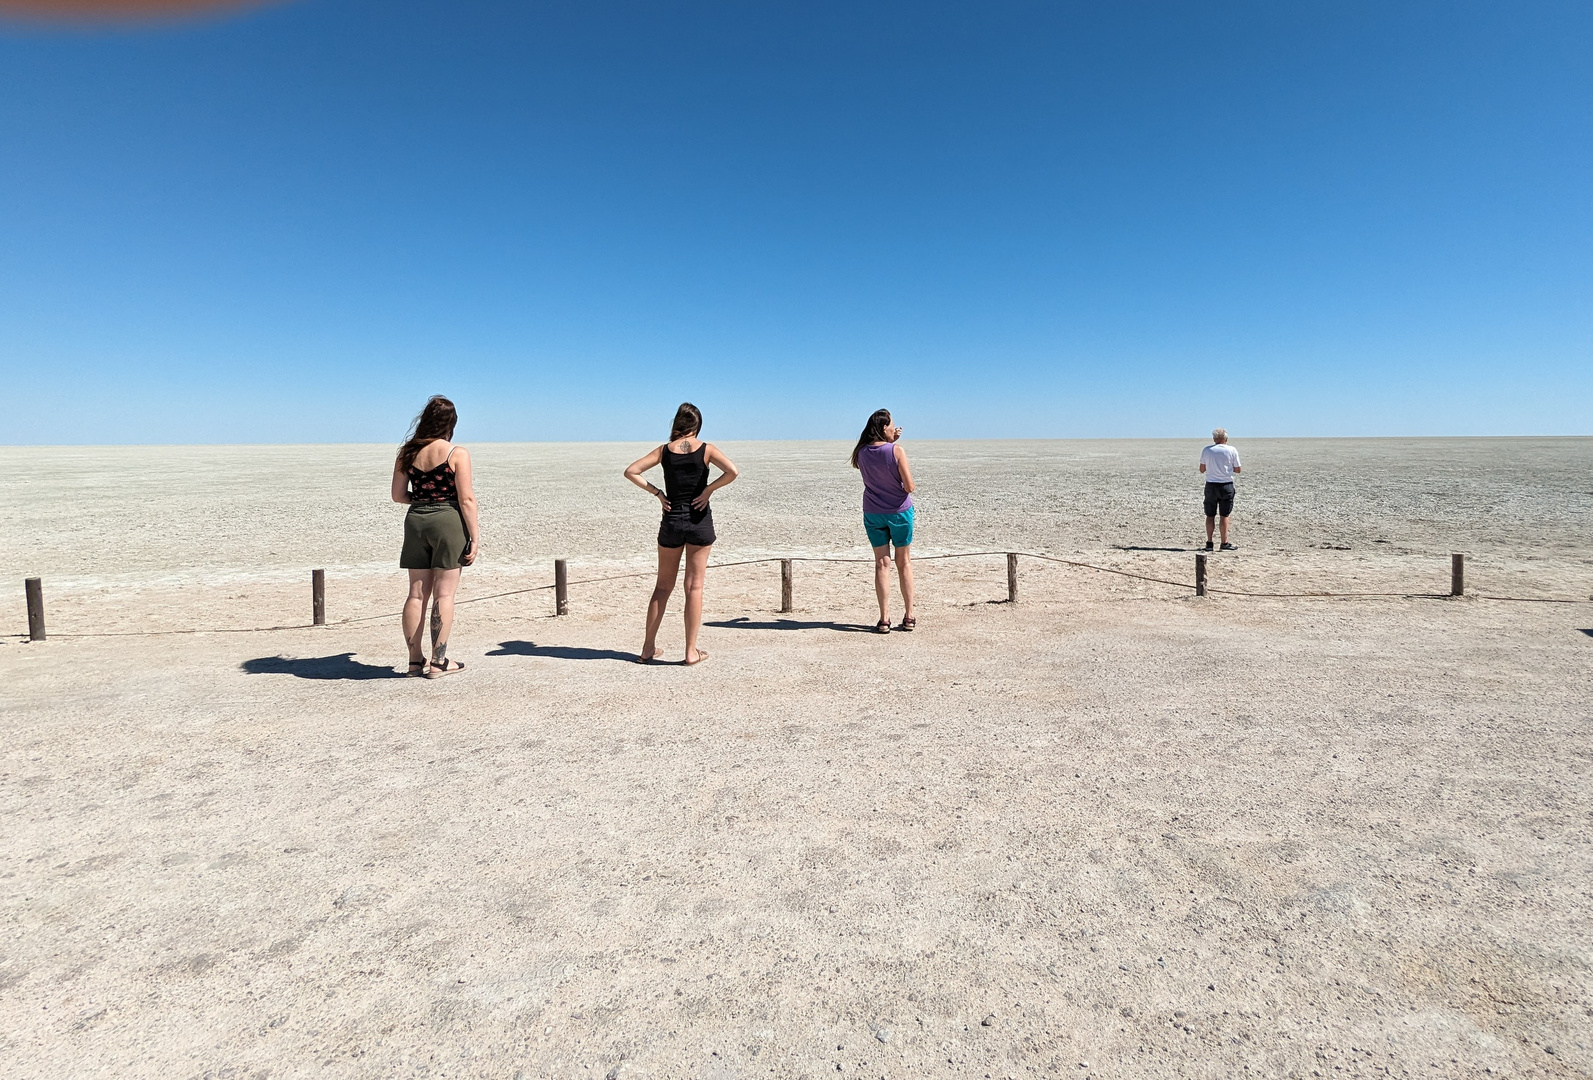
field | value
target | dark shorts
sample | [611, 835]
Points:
[434, 537]
[688, 526]
[1219, 499]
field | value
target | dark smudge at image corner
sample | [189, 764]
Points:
[103, 12]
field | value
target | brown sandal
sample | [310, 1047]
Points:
[908, 624]
[882, 627]
[448, 667]
[701, 656]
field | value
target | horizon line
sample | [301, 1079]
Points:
[843, 441]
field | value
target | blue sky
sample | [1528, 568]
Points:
[1002, 219]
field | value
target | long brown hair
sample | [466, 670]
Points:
[873, 432]
[436, 421]
[688, 421]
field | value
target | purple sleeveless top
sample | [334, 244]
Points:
[882, 482]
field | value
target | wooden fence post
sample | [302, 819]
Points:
[34, 588]
[1200, 573]
[1012, 578]
[785, 585]
[318, 597]
[561, 588]
[1457, 575]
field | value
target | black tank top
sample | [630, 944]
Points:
[685, 476]
[435, 485]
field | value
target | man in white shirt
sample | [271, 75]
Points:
[1220, 464]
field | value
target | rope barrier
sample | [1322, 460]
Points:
[852, 561]
[1335, 595]
[1534, 599]
[167, 633]
[1104, 569]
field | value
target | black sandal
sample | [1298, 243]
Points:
[413, 664]
[447, 667]
[908, 624]
[882, 627]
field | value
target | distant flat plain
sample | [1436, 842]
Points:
[1111, 830]
[88, 515]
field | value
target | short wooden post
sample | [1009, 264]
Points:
[318, 597]
[1200, 573]
[561, 588]
[34, 588]
[436, 624]
[1457, 575]
[1012, 578]
[785, 585]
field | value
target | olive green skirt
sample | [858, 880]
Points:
[434, 537]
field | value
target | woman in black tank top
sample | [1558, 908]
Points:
[688, 524]
[441, 531]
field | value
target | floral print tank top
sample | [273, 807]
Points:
[435, 485]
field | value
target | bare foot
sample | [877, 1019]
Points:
[702, 654]
[645, 657]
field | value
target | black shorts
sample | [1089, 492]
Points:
[1219, 499]
[687, 526]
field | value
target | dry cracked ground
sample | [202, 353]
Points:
[1106, 831]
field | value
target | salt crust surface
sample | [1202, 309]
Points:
[1108, 830]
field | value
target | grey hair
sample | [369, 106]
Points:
[1219, 435]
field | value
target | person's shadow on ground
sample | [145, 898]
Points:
[744, 623]
[341, 666]
[557, 652]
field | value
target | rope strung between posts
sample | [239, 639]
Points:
[167, 633]
[857, 562]
[1534, 599]
[1105, 569]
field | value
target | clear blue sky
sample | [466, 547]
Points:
[998, 219]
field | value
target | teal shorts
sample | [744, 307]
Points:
[886, 529]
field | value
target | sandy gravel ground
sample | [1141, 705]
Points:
[1110, 830]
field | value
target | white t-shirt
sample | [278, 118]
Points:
[1220, 460]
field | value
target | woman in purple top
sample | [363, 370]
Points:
[887, 512]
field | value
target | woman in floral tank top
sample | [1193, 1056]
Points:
[441, 533]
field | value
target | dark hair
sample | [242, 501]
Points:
[873, 432]
[436, 421]
[688, 421]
